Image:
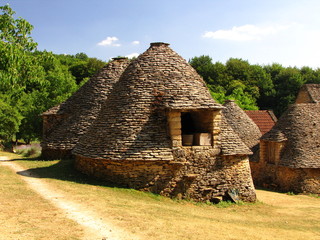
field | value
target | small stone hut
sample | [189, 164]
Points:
[65, 123]
[242, 124]
[290, 151]
[159, 130]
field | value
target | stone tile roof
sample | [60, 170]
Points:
[132, 123]
[309, 93]
[83, 107]
[52, 111]
[299, 127]
[264, 119]
[241, 123]
[231, 143]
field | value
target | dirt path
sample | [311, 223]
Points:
[95, 227]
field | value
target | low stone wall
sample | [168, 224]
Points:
[208, 175]
[298, 180]
[311, 181]
[49, 154]
[196, 174]
[144, 175]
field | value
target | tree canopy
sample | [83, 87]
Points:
[32, 81]
[253, 86]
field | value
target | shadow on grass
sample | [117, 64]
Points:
[63, 170]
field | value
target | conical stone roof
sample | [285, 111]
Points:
[298, 128]
[83, 107]
[241, 123]
[309, 93]
[132, 123]
[231, 143]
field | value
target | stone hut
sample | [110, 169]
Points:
[65, 123]
[242, 124]
[290, 151]
[159, 130]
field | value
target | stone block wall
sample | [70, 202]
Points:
[274, 176]
[208, 175]
[196, 174]
[206, 121]
[144, 175]
[310, 181]
[285, 179]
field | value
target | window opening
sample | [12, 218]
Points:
[196, 128]
[187, 124]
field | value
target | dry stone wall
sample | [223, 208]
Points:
[209, 175]
[285, 179]
[282, 178]
[140, 174]
[197, 173]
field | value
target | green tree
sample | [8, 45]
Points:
[16, 32]
[30, 81]
[287, 84]
[309, 75]
[85, 69]
[82, 56]
[10, 120]
[203, 65]
[17, 68]
[57, 84]
[237, 80]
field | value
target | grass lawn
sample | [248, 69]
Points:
[26, 216]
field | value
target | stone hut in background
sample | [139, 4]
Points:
[290, 151]
[242, 124]
[65, 123]
[159, 130]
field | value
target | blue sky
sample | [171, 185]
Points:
[262, 32]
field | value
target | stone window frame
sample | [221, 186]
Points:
[208, 126]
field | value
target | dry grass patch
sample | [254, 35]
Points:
[154, 217]
[25, 215]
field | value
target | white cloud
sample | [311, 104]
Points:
[132, 55]
[247, 32]
[135, 42]
[110, 41]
